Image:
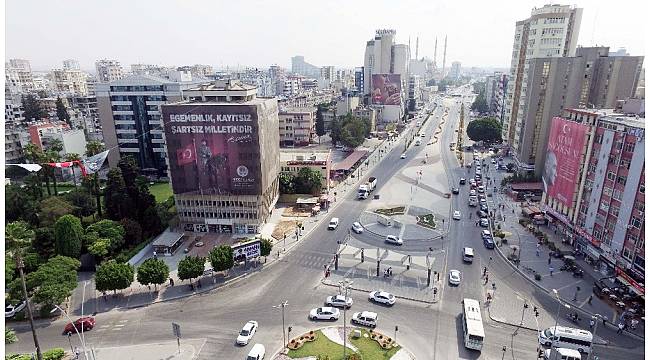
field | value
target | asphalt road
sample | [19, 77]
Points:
[429, 331]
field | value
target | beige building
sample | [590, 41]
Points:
[291, 161]
[21, 71]
[297, 126]
[108, 70]
[70, 81]
[369, 114]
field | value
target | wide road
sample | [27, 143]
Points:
[429, 331]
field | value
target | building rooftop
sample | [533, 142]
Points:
[226, 85]
[627, 120]
[303, 155]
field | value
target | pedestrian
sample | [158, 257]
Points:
[537, 252]
[589, 300]
[621, 326]
[171, 282]
[198, 283]
[633, 324]
[591, 323]
[549, 260]
[390, 271]
[486, 279]
[484, 270]
[76, 352]
[550, 269]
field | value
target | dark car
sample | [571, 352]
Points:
[488, 242]
[482, 214]
[86, 322]
[455, 190]
[463, 181]
[484, 207]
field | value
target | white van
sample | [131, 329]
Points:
[562, 354]
[468, 254]
[334, 223]
[257, 352]
[565, 337]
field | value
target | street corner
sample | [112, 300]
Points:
[184, 349]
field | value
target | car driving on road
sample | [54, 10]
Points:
[382, 297]
[394, 240]
[334, 223]
[86, 323]
[247, 332]
[339, 301]
[456, 215]
[357, 228]
[324, 313]
[365, 318]
[454, 277]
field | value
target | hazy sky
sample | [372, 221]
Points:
[265, 32]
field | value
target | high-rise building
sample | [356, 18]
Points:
[70, 80]
[550, 31]
[129, 113]
[358, 79]
[378, 57]
[400, 61]
[595, 188]
[454, 72]
[589, 79]
[21, 70]
[224, 157]
[108, 70]
[71, 64]
[495, 91]
[414, 92]
[297, 126]
[300, 67]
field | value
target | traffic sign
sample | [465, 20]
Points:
[176, 329]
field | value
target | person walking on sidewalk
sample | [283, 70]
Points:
[550, 270]
[486, 279]
[589, 299]
[621, 327]
[591, 323]
[537, 252]
[484, 270]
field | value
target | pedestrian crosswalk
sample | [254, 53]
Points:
[310, 260]
[117, 325]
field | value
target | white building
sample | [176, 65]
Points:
[550, 31]
[454, 73]
[108, 70]
[71, 64]
[70, 81]
[21, 70]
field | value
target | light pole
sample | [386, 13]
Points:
[282, 306]
[596, 317]
[345, 284]
[83, 344]
[557, 316]
[83, 299]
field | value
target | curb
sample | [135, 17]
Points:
[584, 312]
[397, 296]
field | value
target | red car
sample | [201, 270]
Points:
[87, 322]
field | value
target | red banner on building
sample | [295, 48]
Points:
[565, 152]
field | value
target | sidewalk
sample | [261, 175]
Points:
[189, 349]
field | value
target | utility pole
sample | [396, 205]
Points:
[20, 265]
[345, 284]
[282, 306]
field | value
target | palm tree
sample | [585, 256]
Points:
[93, 148]
[18, 236]
[35, 155]
[73, 157]
[53, 155]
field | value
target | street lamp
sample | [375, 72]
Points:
[345, 284]
[81, 340]
[557, 316]
[596, 317]
[282, 306]
[83, 299]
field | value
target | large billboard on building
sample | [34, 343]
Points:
[386, 89]
[213, 149]
[562, 167]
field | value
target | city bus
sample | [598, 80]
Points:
[472, 324]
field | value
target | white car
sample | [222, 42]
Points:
[339, 301]
[366, 318]
[382, 297]
[247, 332]
[324, 313]
[357, 228]
[484, 222]
[472, 192]
[11, 310]
[494, 161]
[403, 156]
[334, 223]
[481, 188]
[392, 239]
[454, 277]
[456, 215]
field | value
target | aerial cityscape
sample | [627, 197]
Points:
[462, 181]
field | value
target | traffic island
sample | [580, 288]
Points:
[427, 220]
[327, 343]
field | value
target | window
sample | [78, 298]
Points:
[607, 191]
[617, 194]
[611, 175]
[636, 222]
[642, 188]
[599, 138]
[627, 254]
[621, 180]
[614, 210]
[629, 147]
[639, 206]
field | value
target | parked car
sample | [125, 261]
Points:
[394, 240]
[382, 297]
[11, 310]
[357, 228]
[484, 222]
[247, 332]
[257, 352]
[456, 215]
[463, 181]
[86, 323]
[482, 214]
[334, 223]
[455, 190]
[454, 277]
[365, 318]
[324, 313]
[403, 156]
[339, 301]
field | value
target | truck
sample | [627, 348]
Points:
[366, 188]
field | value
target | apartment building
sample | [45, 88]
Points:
[297, 126]
[108, 70]
[70, 81]
[291, 161]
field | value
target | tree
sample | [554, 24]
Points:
[19, 205]
[487, 130]
[83, 201]
[68, 234]
[307, 181]
[117, 202]
[62, 111]
[132, 231]
[97, 247]
[287, 183]
[191, 267]
[153, 271]
[353, 133]
[54, 281]
[35, 155]
[151, 222]
[320, 121]
[114, 276]
[53, 155]
[33, 110]
[265, 248]
[43, 242]
[18, 236]
[480, 105]
[73, 157]
[53, 208]
[335, 130]
[221, 258]
[10, 336]
[109, 230]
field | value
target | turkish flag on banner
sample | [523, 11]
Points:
[63, 164]
[186, 155]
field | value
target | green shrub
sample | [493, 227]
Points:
[10, 336]
[538, 277]
[54, 354]
[18, 357]
[551, 246]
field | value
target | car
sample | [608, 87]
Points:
[247, 332]
[484, 222]
[472, 182]
[85, 323]
[11, 310]
[357, 228]
[483, 207]
[365, 318]
[486, 234]
[324, 313]
[257, 352]
[403, 156]
[494, 161]
[454, 277]
[455, 190]
[488, 242]
[472, 192]
[382, 297]
[456, 215]
[339, 301]
[392, 239]
[482, 214]
[463, 181]
[481, 188]
[334, 223]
